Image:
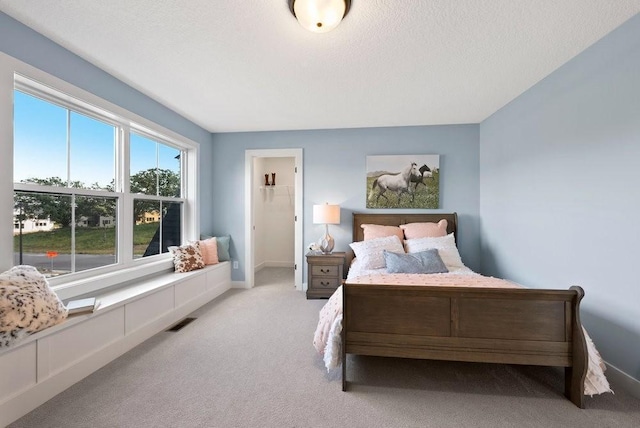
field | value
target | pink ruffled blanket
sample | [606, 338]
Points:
[438, 280]
[327, 337]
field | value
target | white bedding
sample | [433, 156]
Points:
[327, 338]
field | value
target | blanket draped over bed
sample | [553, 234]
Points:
[327, 338]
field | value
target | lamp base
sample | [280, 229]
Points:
[326, 244]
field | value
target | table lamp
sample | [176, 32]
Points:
[326, 214]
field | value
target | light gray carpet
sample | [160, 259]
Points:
[248, 361]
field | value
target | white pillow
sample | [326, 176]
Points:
[370, 253]
[446, 246]
[27, 304]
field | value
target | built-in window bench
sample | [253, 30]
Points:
[48, 362]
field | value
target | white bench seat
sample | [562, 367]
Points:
[46, 363]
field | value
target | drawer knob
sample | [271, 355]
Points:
[324, 270]
[324, 284]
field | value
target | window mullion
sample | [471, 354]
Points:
[73, 197]
[160, 229]
[157, 198]
[73, 233]
[158, 170]
[68, 148]
[55, 190]
[125, 204]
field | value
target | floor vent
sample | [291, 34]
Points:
[181, 324]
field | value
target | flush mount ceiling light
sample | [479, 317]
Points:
[319, 16]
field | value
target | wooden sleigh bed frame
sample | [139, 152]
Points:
[487, 325]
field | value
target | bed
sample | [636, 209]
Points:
[474, 324]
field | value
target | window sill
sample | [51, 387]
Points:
[100, 284]
[118, 297]
[122, 295]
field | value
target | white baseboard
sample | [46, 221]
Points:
[285, 264]
[272, 263]
[259, 267]
[623, 380]
[238, 284]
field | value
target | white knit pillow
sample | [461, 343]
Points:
[446, 246]
[370, 253]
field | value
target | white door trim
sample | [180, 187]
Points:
[249, 234]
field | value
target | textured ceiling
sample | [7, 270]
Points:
[249, 66]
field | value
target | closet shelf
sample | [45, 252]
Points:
[270, 195]
[277, 186]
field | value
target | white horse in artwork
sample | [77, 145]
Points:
[399, 183]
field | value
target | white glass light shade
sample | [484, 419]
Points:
[319, 16]
[326, 214]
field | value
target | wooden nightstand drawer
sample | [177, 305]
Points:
[325, 274]
[325, 283]
[323, 270]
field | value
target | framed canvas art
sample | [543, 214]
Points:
[403, 181]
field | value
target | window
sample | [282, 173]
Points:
[155, 178]
[93, 191]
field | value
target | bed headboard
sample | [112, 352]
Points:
[397, 219]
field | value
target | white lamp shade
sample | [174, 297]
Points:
[319, 16]
[326, 214]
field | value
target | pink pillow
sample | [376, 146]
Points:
[209, 248]
[424, 230]
[375, 231]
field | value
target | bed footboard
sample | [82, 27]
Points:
[489, 325]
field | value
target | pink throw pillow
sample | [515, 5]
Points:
[424, 230]
[375, 231]
[209, 248]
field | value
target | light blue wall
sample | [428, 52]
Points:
[21, 42]
[334, 171]
[555, 192]
[559, 189]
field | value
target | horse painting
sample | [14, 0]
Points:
[399, 183]
[425, 172]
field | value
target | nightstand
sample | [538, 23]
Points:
[325, 274]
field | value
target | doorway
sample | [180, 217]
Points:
[259, 196]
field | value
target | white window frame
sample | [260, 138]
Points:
[15, 74]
